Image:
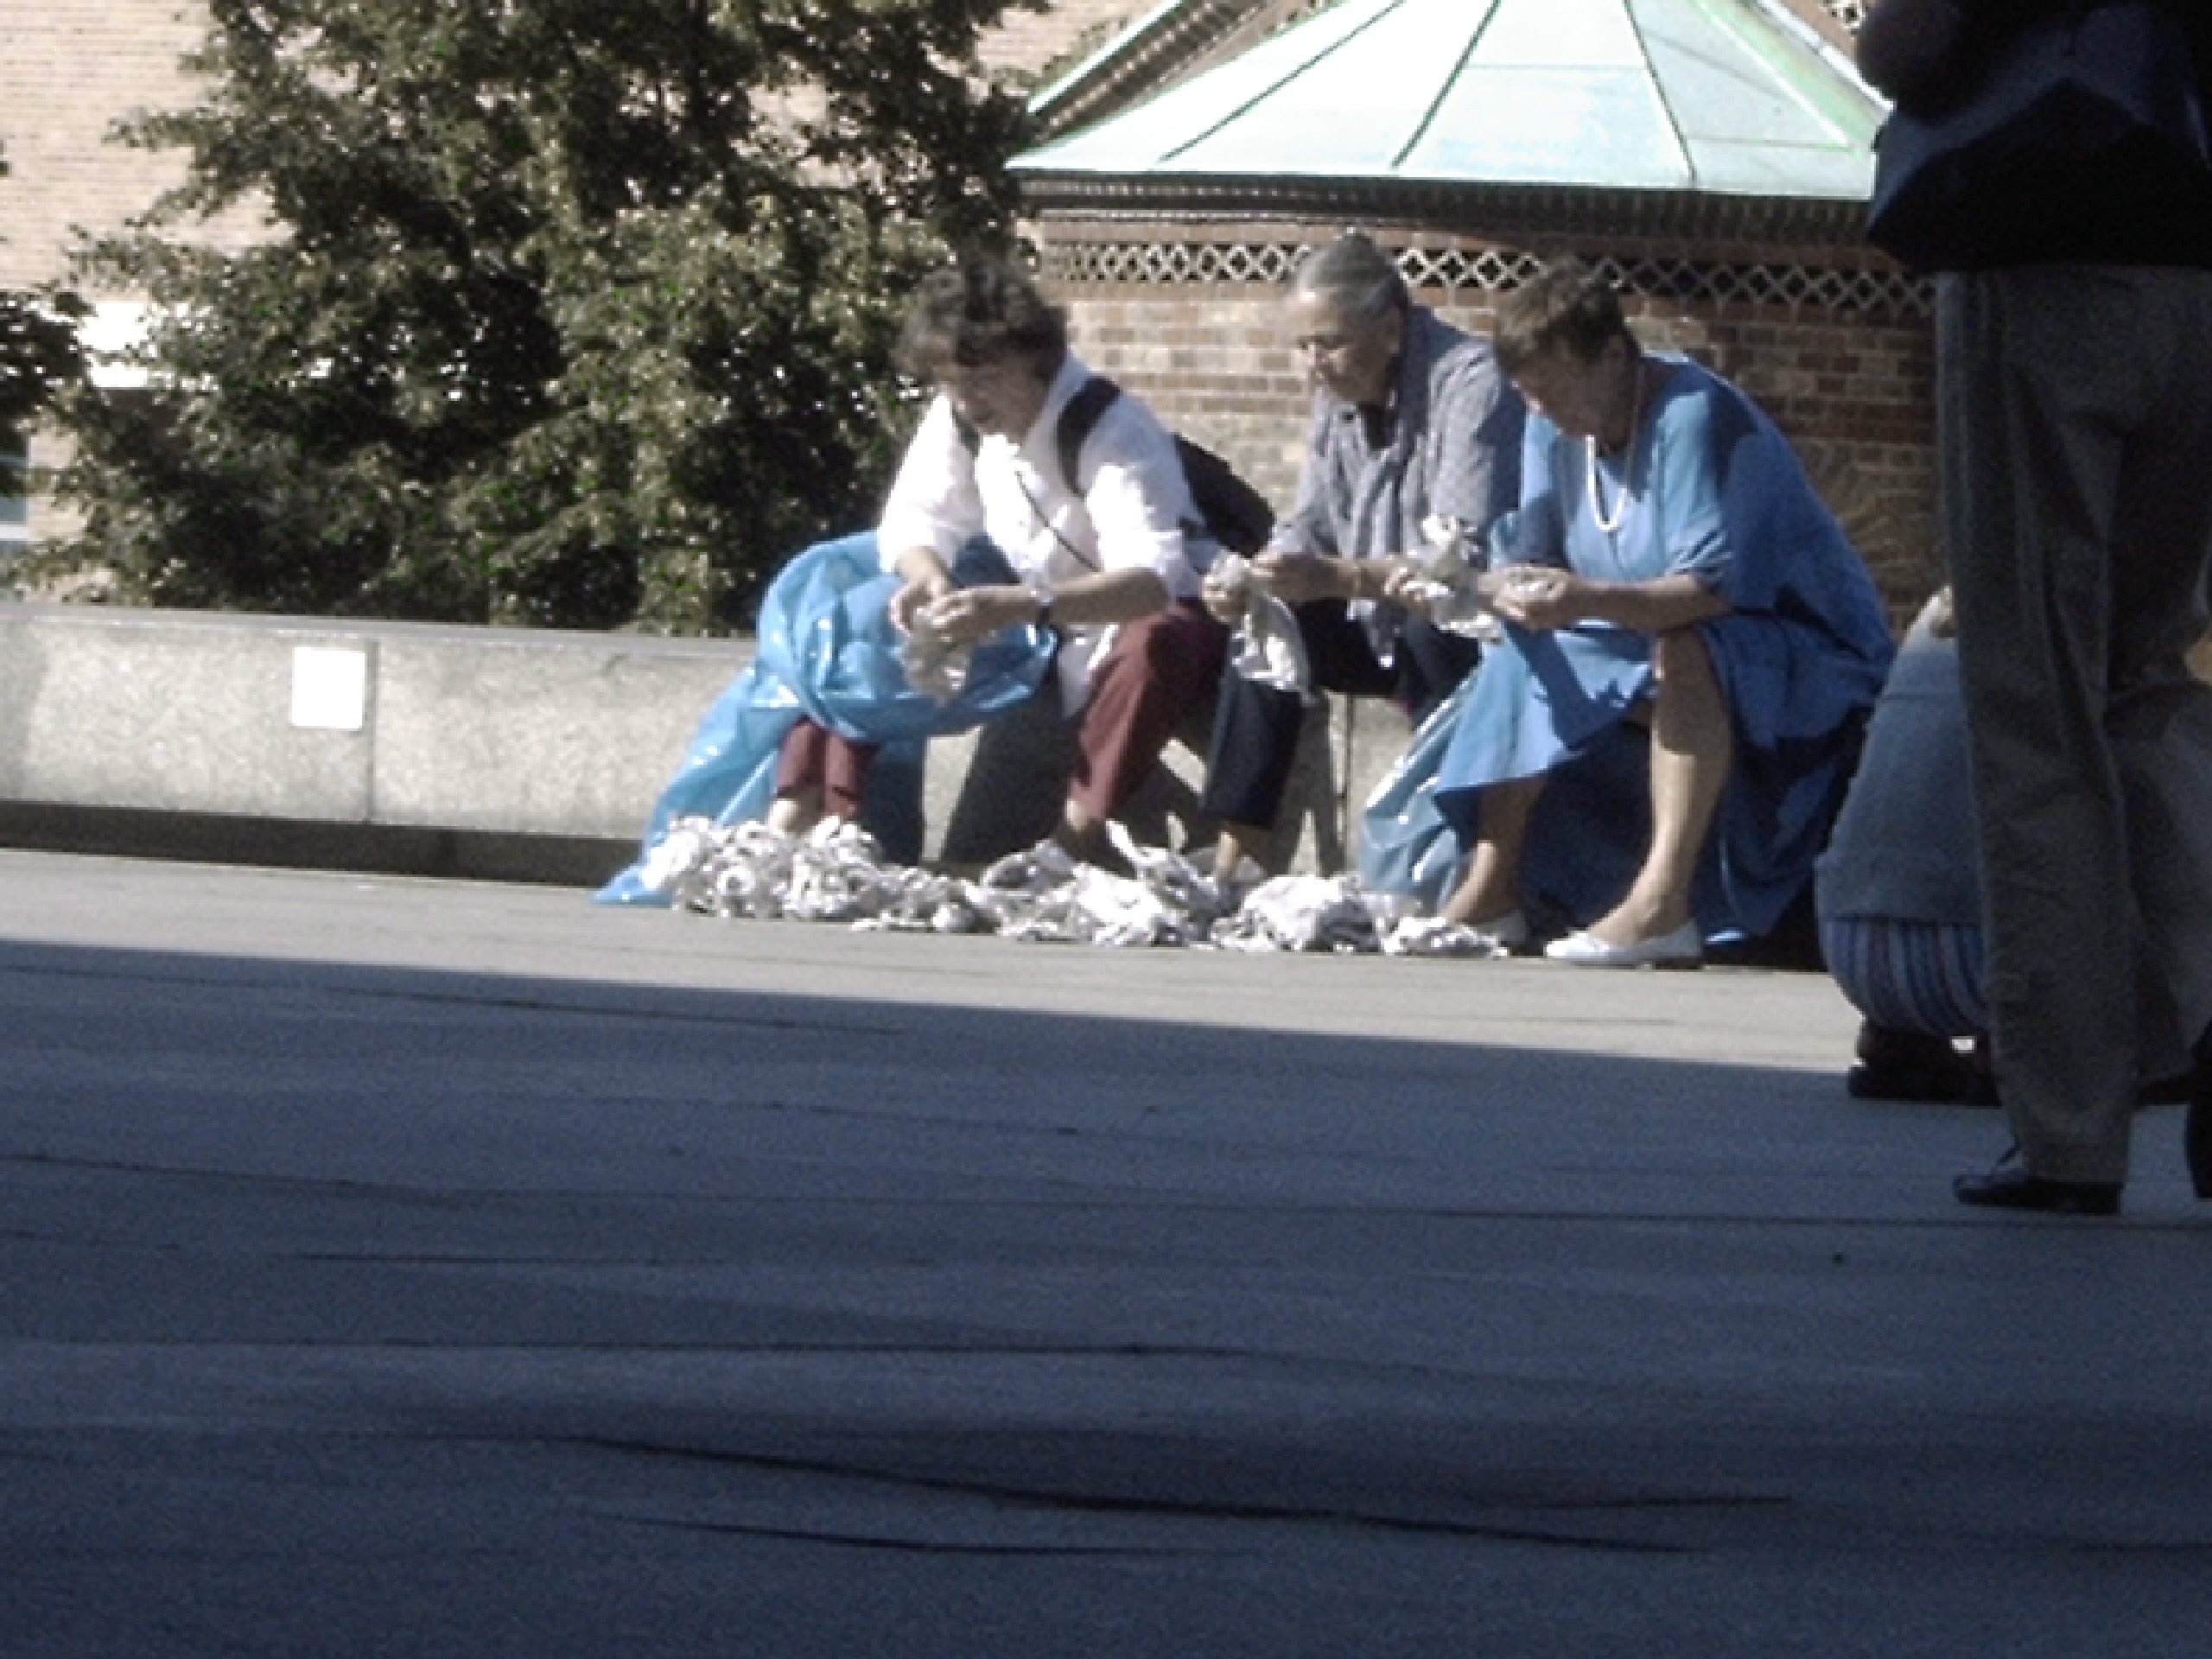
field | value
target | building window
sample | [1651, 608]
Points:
[15, 506]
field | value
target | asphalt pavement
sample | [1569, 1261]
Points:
[397, 1267]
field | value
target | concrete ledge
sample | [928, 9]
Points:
[531, 755]
[393, 723]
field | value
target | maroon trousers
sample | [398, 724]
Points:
[1160, 667]
[815, 757]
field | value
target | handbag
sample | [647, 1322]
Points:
[2070, 113]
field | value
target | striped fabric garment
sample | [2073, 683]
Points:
[1909, 976]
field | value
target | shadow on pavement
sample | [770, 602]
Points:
[357, 1311]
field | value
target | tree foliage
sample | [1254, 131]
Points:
[572, 312]
[38, 356]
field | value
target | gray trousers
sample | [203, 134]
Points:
[2077, 412]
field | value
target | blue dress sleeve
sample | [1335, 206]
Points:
[1695, 485]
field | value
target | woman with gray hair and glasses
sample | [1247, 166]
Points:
[1412, 419]
[1096, 559]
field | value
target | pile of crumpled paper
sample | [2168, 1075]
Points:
[1440, 583]
[836, 873]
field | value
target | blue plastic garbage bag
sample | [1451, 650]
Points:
[828, 652]
[1406, 847]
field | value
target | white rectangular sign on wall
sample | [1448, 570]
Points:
[330, 687]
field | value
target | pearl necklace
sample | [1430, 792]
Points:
[1612, 525]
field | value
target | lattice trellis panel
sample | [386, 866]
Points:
[1494, 270]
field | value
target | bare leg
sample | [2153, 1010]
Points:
[1236, 844]
[1692, 747]
[1083, 834]
[817, 772]
[1492, 888]
[1081, 829]
[796, 811]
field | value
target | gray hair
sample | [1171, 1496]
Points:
[1356, 277]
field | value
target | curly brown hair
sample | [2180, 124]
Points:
[983, 309]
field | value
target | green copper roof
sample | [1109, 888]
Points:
[1715, 97]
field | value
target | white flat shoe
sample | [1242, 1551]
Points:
[1683, 948]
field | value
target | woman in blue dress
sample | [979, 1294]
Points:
[1694, 648]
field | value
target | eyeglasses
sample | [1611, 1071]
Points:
[963, 380]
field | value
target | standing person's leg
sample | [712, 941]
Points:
[2160, 719]
[2040, 383]
[1158, 667]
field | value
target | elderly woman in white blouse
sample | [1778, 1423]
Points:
[1099, 558]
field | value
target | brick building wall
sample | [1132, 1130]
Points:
[1028, 43]
[72, 69]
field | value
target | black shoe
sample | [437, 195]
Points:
[1897, 1065]
[2012, 1186]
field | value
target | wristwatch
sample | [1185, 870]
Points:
[1042, 593]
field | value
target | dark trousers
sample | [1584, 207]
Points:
[1255, 727]
[1033, 759]
[2076, 413]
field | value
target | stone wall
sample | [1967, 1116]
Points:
[524, 753]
